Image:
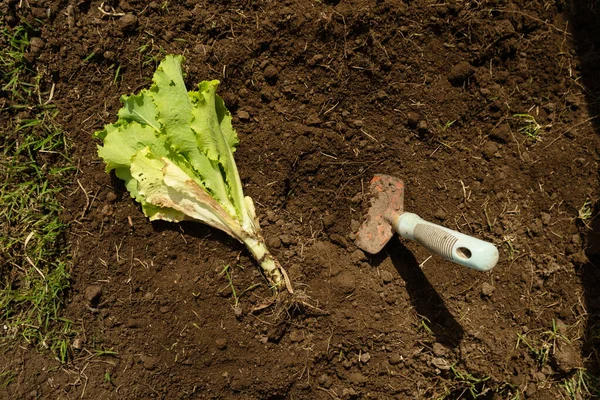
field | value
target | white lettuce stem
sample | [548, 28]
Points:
[267, 262]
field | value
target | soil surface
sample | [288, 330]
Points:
[486, 110]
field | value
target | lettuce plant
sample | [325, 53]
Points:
[174, 150]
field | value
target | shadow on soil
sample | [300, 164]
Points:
[584, 21]
[424, 298]
[590, 277]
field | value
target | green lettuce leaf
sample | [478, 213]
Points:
[174, 150]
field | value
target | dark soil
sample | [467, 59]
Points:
[325, 94]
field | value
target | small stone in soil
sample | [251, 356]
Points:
[221, 343]
[243, 116]
[238, 311]
[547, 370]
[77, 344]
[109, 55]
[539, 376]
[365, 358]
[381, 95]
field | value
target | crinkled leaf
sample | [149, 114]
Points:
[163, 185]
[141, 109]
[174, 150]
[174, 110]
[215, 135]
[122, 142]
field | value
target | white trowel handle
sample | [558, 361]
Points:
[451, 245]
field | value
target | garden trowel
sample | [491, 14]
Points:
[387, 215]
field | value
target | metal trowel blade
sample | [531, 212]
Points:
[387, 201]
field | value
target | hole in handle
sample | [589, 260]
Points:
[463, 252]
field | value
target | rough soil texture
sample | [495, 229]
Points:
[324, 95]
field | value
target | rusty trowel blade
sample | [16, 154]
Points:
[387, 200]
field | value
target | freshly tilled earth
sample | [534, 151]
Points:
[484, 109]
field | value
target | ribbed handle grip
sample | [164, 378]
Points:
[451, 245]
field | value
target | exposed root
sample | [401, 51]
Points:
[286, 305]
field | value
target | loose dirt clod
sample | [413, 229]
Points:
[460, 72]
[439, 349]
[501, 133]
[441, 363]
[329, 220]
[412, 118]
[271, 74]
[93, 294]
[345, 282]
[128, 23]
[387, 277]
[221, 343]
[150, 363]
[487, 289]
[567, 358]
[395, 359]
[440, 214]
[36, 45]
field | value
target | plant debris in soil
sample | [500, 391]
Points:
[478, 106]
